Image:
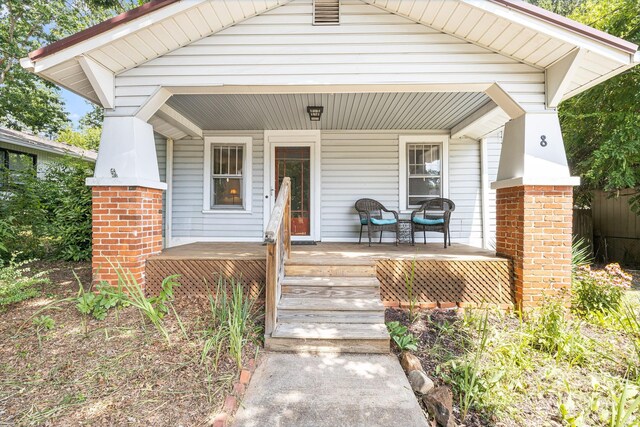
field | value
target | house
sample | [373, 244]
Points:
[209, 104]
[20, 151]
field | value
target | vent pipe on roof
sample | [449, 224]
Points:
[326, 12]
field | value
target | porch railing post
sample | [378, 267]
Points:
[277, 236]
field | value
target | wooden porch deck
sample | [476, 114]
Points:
[460, 274]
[335, 251]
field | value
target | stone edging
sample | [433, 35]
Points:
[231, 400]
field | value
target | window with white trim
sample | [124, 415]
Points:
[227, 174]
[424, 172]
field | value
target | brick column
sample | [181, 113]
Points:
[534, 230]
[127, 229]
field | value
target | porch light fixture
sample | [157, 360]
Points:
[315, 113]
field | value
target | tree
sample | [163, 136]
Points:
[26, 101]
[601, 126]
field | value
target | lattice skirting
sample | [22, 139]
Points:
[466, 282]
[460, 282]
[199, 277]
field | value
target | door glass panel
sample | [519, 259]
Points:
[295, 162]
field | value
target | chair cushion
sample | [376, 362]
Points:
[363, 221]
[428, 221]
[376, 221]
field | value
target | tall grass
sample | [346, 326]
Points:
[233, 322]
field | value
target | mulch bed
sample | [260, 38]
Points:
[121, 371]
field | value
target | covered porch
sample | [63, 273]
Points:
[461, 275]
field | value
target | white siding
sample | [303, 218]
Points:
[465, 189]
[370, 46]
[494, 146]
[354, 166]
[365, 164]
[189, 223]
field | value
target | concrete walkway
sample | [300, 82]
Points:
[329, 390]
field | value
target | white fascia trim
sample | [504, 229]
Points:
[247, 166]
[551, 30]
[107, 37]
[518, 182]
[403, 140]
[125, 182]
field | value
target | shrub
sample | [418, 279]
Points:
[599, 291]
[16, 283]
[549, 332]
[48, 216]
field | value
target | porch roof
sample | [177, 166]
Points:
[87, 62]
[343, 111]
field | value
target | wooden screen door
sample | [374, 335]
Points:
[295, 162]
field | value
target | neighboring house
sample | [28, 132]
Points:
[211, 103]
[20, 151]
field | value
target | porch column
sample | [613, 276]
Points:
[534, 207]
[127, 199]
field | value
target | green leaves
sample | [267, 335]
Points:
[50, 216]
[403, 339]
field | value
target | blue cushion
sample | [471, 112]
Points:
[363, 221]
[376, 221]
[428, 221]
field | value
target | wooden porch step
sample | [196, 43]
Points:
[334, 282]
[323, 260]
[322, 270]
[330, 291]
[328, 316]
[334, 331]
[297, 345]
[331, 304]
[329, 337]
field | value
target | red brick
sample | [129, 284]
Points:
[123, 234]
[230, 404]
[245, 377]
[534, 230]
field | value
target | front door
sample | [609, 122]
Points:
[295, 162]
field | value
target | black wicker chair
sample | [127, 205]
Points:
[432, 215]
[370, 212]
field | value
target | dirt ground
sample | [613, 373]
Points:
[119, 371]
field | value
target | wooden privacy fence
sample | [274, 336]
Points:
[277, 236]
[616, 228]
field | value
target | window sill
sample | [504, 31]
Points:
[226, 211]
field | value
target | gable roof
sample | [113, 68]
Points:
[27, 140]
[512, 28]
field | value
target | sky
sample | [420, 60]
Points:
[76, 106]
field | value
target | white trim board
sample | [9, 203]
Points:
[294, 138]
[247, 172]
[403, 140]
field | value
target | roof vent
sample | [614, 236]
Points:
[326, 12]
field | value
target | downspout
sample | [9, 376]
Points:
[168, 206]
[484, 193]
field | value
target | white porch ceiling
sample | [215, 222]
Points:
[413, 110]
